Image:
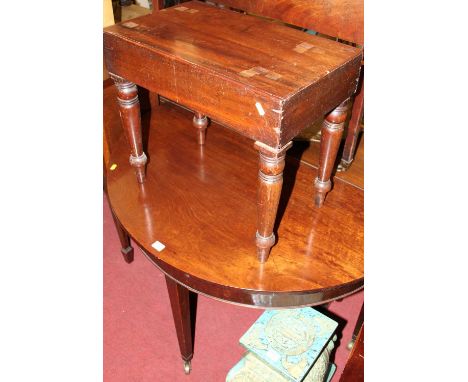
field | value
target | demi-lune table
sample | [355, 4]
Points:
[193, 214]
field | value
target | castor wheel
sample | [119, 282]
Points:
[350, 344]
[187, 367]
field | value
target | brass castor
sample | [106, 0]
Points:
[187, 367]
[350, 344]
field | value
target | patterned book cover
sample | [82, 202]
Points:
[251, 369]
[289, 340]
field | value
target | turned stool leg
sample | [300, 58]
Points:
[180, 304]
[200, 121]
[270, 182]
[129, 107]
[332, 130]
[354, 128]
[127, 249]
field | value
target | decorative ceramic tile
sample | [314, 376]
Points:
[251, 369]
[291, 340]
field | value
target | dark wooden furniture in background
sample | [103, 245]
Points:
[354, 369]
[354, 127]
[210, 60]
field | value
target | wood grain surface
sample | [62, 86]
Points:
[199, 201]
[261, 78]
[338, 18]
[354, 369]
[308, 153]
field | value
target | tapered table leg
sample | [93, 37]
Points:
[332, 130]
[200, 122]
[354, 128]
[270, 183]
[180, 304]
[127, 249]
[129, 107]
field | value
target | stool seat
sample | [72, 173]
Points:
[259, 77]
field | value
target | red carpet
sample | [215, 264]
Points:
[140, 342]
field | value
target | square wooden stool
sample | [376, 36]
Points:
[263, 79]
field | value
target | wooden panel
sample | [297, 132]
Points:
[338, 18]
[196, 89]
[314, 101]
[354, 369]
[208, 231]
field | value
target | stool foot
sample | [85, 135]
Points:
[270, 183]
[264, 245]
[344, 165]
[332, 130]
[200, 122]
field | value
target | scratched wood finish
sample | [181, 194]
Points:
[199, 201]
[203, 57]
[338, 18]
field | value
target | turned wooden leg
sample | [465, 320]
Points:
[129, 107]
[332, 130]
[354, 128]
[200, 122]
[270, 182]
[127, 249]
[180, 304]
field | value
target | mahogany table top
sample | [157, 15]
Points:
[199, 203]
[257, 76]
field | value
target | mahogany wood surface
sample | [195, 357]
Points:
[354, 369]
[200, 122]
[338, 18]
[354, 127]
[126, 246]
[180, 305]
[263, 79]
[199, 202]
[129, 109]
[308, 152]
[270, 183]
[227, 65]
[332, 130]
